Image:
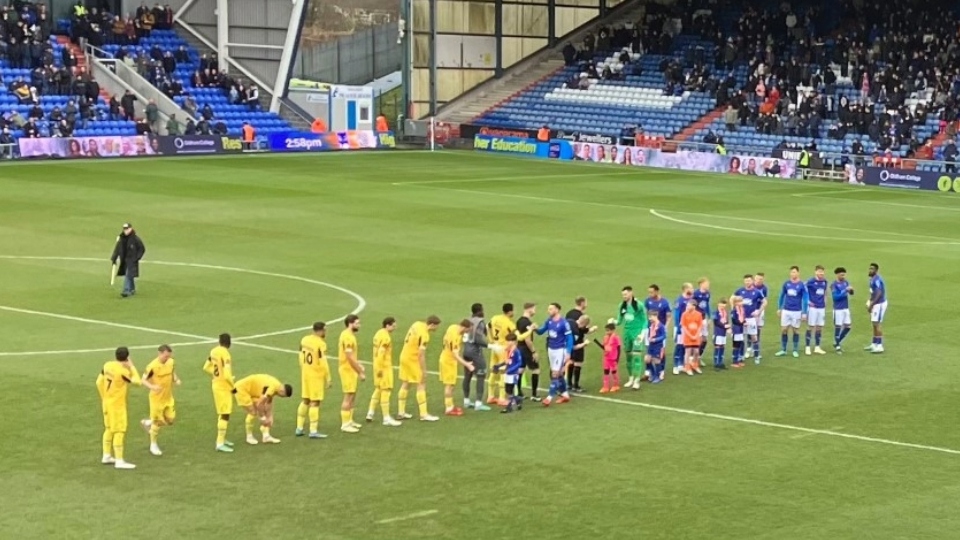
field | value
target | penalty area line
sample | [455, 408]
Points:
[407, 517]
[661, 408]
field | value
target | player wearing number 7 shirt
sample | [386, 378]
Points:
[314, 378]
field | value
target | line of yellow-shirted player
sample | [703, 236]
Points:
[255, 393]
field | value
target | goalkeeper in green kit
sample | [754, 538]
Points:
[633, 318]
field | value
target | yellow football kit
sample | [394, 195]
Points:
[500, 326]
[314, 369]
[112, 383]
[254, 387]
[383, 360]
[349, 378]
[161, 403]
[417, 339]
[452, 344]
[219, 365]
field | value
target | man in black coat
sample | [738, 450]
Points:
[128, 252]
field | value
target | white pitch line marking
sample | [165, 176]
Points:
[361, 302]
[407, 517]
[662, 408]
[663, 216]
[515, 178]
[805, 435]
[824, 195]
[655, 213]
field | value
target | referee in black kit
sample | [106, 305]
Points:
[579, 323]
[127, 253]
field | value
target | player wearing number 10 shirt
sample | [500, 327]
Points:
[314, 379]
[219, 366]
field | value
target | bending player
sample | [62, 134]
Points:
[255, 395]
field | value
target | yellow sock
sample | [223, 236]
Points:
[107, 442]
[222, 431]
[422, 402]
[154, 431]
[118, 446]
[265, 431]
[385, 402]
[314, 412]
[402, 401]
[448, 402]
[250, 422]
[374, 401]
[301, 415]
[344, 417]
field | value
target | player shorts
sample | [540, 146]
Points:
[631, 343]
[841, 317]
[349, 380]
[761, 319]
[223, 400]
[511, 379]
[609, 365]
[750, 326]
[162, 410]
[557, 358]
[738, 337]
[383, 380]
[878, 312]
[410, 372]
[790, 319]
[244, 399]
[655, 352]
[313, 386]
[720, 341]
[448, 372]
[116, 419]
[816, 316]
[528, 361]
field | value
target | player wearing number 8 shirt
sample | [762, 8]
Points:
[314, 379]
[219, 366]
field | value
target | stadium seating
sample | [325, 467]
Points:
[232, 115]
[608, 105]
[9, 102]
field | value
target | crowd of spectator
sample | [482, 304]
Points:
[903, 58]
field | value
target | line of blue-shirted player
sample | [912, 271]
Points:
[742, 315]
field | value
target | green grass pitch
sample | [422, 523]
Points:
[857, 446]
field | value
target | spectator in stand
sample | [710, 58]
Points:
[169, 63]
[142, 126]
[152, 114]
[249, 136]
[173, 126]
[190, 105]
[127, 105]
[181, 55]
[253, 97]
[113, 109]
[207, 112]
[190, 128]
[30, 129]
[203, 127]
[7, 143]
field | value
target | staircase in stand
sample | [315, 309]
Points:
[501, 91]
[81, 61]
[702, 123]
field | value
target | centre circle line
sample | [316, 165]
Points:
[202, 340]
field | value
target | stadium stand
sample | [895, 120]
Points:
[841, 78]
[48, 91]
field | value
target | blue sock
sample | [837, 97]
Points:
[807, 337]
[817, 337]
[843, 334]
[553, 387]
[796, 342]
[718, 361]
[678, 354]
[837, 330]
[756, 349]
[738, 352]
[562, 384]
[783, 342]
